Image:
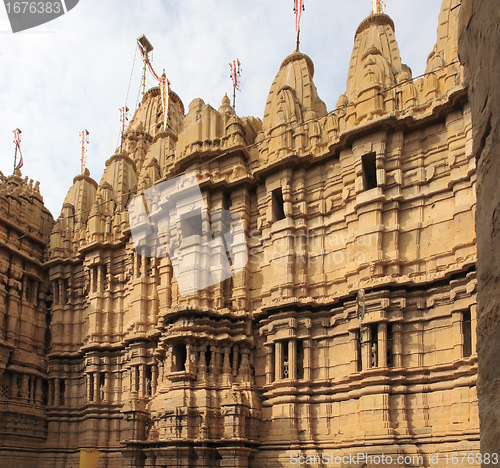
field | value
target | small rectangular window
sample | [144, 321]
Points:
[390, 344]
[466, 331]
[191, 224]
[179, 355]
[91, 387]
[300, 359]
[359, 350]
[369, 171]
[278, 205]
[374, 345]
[62, 391]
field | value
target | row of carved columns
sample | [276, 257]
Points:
[27, 388]
[229, 360]
[284, 362]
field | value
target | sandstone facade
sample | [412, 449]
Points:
[479, 29]
[351, 328]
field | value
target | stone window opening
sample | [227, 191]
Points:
[289, 359]
[278, 205]
[286, 361]
[359, 351]
[300, 359]
[374, 345]
[369, 171]
[149, 381]
[47, 335]
[62, 391]
[179, 357]
[467, 334]
[18, 385]
[94, 278]
[191, 224]
[31, 390]
[390, 346]
[102, 386]
[45, 393]
[208, 359]
[29, 289]
[4, 387]
[91, 387]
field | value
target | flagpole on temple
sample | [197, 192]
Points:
[298, 8]
[123, 118]
[146, 48]
[15, 159]
[84, 135]
[235, 76]
[17, 142]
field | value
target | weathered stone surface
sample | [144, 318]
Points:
[480, 34]
[350, 329]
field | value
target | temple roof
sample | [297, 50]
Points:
[375, 57]
[292, 93]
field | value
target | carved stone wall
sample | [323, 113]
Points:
[352, 326]
[25, 226]
[479, 31]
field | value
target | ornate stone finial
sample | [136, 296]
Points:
[225, 108]
[378, 7]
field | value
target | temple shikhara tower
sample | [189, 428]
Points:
[351, 328]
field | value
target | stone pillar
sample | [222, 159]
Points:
[38, 391]
[226, 366]
[216, 360]
[154, 379]
[234, 457]
[142, 381]
[292, 359]
[366, 348]
[307, 359]
[89, 387]
[97, 395]
[458, 337]
[245, 363]
[60, 285]
[57, 392]
[278, 360]
[235, 359]
[205, 457]
[354, 345]
[473, 328]
[382, 344]
[119, 386]
[202, 363]
[190, 364]
[133, 381]
[397, 347]
[169, 360]
[269, 364]
[51, 392]
[107, 386]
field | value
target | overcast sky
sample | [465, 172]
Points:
[74, 72]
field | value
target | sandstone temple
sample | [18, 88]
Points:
[351, 329]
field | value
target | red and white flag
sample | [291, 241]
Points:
[17, 141]
[378, 7]
[299, 7]
[235, 73]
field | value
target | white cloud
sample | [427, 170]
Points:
[76, 75]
